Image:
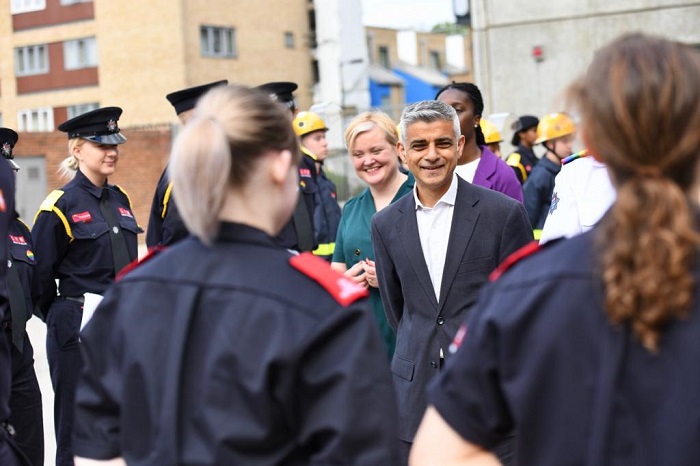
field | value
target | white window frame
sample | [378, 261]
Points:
[80, 53]
[26, 6]
[71, 2]
[31, 60]
[34, 120]
[78, 109]
[226, 37]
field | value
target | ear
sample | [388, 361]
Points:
[589, 147]
[402, 151]
[280, 165]
[77, 151]
[477, 120]
[460, 145]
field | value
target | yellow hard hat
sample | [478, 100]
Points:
[308, 122]
[491, 134]
[554, 125]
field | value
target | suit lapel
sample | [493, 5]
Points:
[407, 227]
[464, 220]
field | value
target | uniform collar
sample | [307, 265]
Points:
[83, 181]
[238, 232]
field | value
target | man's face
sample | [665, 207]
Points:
[431, 152]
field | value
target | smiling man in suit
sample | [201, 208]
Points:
[434, 249]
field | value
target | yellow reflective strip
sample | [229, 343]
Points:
[66, 225]
[128, 199]
[324, 249]
[537, 234]
[166, 199]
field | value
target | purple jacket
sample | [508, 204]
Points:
[494, 173]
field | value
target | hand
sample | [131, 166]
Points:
[370, 273]
[357, 274]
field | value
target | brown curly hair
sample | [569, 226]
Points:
[639, 104]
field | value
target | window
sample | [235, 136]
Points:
[218, 42]
[75, 110]
[70, 2]
[289, 40]
[33, 59]
[80, 53]
[435, 60]
[384, 56]
[26, 6]
[35, 120]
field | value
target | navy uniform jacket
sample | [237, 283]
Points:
[537, 192]
[288, 237]
[523, 160]
[7, 212]
[72, 242]
[326, 215]
[229, 355]
[165, 226]
[540, 355]
[22, 258]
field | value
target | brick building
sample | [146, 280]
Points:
[60, 58]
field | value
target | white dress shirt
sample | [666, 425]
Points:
[434, 225]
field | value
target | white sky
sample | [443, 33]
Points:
[415, 14]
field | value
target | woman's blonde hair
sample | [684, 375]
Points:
[640, 113]
[70, 164]
[219, 147]
[367, 121]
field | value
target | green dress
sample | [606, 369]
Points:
[354, 243]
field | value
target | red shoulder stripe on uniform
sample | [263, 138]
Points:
[153, 252]
[527, 250]
[344, 290]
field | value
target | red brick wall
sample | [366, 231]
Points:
[141, 163]
[58, 77]
[54, 13]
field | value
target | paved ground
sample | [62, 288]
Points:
[37, 333]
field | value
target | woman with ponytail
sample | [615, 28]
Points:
[477, 164]
[590, 348]
[227, 348]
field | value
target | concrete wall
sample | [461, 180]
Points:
[569, 31]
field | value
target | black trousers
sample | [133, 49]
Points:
[65, 364]
[25, 403]
[10, 454]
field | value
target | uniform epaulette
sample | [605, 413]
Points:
[121, 190]
[50, 201]
[574, 156]
[153, 252]
[344, 290]
[166, 199]
[513, 159]
[527, 250]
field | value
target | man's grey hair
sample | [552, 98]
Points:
[428, 111]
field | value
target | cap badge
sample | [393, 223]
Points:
[6, 149]
[112, 126]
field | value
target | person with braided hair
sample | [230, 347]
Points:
[477, 164]
[589, 348]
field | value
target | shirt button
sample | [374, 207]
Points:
[440, 321]
[433, 364]
[357, 252]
